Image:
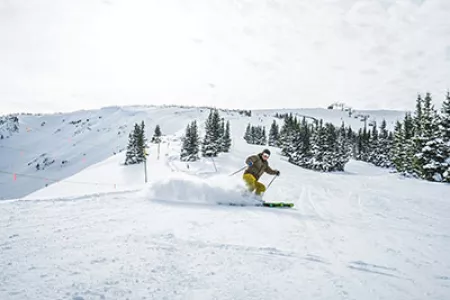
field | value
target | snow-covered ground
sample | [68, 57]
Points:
[361, 234]
[64, 144]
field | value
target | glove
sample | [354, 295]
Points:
[250, 163]
[277, 173]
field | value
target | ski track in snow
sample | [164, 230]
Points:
[360, 234]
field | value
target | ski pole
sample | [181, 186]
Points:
[238, 171]
[271, 181]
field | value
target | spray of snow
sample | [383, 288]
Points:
[185, 188]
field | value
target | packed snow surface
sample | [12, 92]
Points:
[364, 233]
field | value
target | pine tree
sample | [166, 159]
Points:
[211, 141]
[445, 119]
[190, 147]
[141, 142]
[221, 134]
[131, 150]
[263, 137]
[344, 148]
[429, 160]
[274, 134]
[248, 133]
[185, 148]
[136, 145]
[384, 145]
[227, 138]
[157, 135]
[194, 141]
[398, 157]
[445, 134]
[373, 145]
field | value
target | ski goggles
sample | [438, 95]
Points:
[265, 155]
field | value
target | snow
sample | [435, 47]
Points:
[364, 233]
[77, 140]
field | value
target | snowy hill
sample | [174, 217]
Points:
[360, 234]
[48, 148]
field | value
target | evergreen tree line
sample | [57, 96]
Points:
[255, 135]
[373, 146]
[137, 143]
[319, 146]
[217, 138]
[421, 145]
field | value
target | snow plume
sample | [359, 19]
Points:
[191, 189]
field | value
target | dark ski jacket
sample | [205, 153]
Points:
[258, 167]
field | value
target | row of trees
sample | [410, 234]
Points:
[255, 135]
[217, 138]
[421, 144]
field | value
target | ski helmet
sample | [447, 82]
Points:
[267, 151]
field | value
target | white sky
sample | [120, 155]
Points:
[60, 55]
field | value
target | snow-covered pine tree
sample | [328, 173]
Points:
[274, 133]
[141, 142]
[398, 155]
[248, 134]
[287, 134]
[344, 148]
[445, 119]
[331, 154]
[300, 149]
[130, 156]
[363, 144]
[253, 135]
[157, 135]
[318, 147]
[185, 148]
[190, 147]
[445, 133]
[194, 141]
[221, 134]
[227, 138]
[428, 162]
[210, 146]
[418, 121]
[384, 146]
[263, 136]
[373, 145]
[408, 143]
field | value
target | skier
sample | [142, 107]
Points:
[257, 165]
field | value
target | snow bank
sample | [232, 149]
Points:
[186, 188]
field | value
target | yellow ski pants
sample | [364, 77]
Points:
[253, 185]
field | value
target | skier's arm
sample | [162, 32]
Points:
[250, 160]
[271, 171]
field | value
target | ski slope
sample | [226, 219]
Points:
[360, 234]
[63, 144]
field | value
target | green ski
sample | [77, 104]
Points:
[278, 204]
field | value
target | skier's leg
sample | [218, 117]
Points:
[250, 182]
[260, 188]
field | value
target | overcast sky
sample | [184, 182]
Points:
[61, 55]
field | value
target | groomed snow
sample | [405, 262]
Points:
[361, 234]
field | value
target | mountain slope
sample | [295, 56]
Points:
[49, 148]
[360, 234]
